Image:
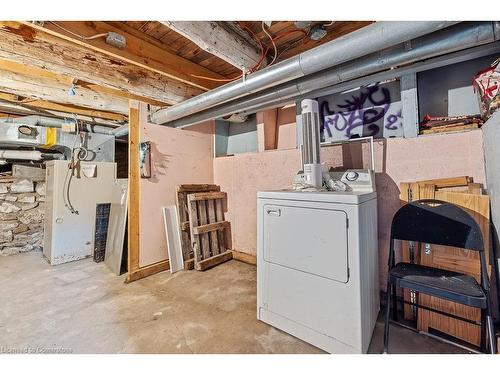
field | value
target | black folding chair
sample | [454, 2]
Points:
[441, 223]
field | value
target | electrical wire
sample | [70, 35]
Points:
[256, 67]
[71, 167]
[294, 44]
[264, 52]
[82, 37]
[272, 41]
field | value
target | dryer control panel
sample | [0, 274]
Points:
[356, 179]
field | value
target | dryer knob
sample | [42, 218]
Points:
[351, 176]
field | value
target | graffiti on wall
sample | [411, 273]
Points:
[370, 111]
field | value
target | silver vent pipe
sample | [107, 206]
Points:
[51, 122]
[28, 155]
[369, 39]
[456, 38]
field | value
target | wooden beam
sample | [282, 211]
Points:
[244, 257]
[16, 109]
[143, 272]
[134, 189]
[25, 45]
[58, 107]
[3, 115]
[49, 90]
[215, 39]
[135, 271]
[32, 71]
[137, 51]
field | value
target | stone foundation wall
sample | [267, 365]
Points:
[22, 209]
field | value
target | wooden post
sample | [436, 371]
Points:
[134, 188]
[137, 115]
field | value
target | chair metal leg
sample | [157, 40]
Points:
[394, 308]
[387, 317]
[491, 334]
[490, 328]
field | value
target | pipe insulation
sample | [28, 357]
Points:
[369, 39]
[50, 122]
[453, 39]
[27, 155]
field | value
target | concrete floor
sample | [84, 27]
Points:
[81, 307]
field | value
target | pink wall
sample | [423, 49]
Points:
[178, 157]
[396, 160]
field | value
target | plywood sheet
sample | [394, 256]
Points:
[178, 157]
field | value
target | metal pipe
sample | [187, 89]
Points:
[51, 122]
[120, 131]
[369, 39]
[446, 41]
[27, 155]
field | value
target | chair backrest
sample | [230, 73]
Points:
[437, 222]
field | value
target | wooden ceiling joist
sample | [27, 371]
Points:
[217, 40]
[137, 51]
[31, 71]
[16, 110]
[25, 45]
[44, 105]
[46, 89]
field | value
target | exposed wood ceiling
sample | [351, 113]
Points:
[40, 62]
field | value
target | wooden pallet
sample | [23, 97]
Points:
[208, 229]
[467, 194]
[183, 209]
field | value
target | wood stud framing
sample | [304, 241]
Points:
[135, 272]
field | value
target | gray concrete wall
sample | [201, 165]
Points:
[221, 135]
[235, 138]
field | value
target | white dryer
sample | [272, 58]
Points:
[317, 263]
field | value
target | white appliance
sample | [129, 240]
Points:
[70, 236]
[317, 263]
[309, 143]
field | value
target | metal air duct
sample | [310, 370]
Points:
[456, 38]
[369, 39]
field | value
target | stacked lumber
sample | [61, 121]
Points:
[433, 124]
[463, 192]
[204, 231]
